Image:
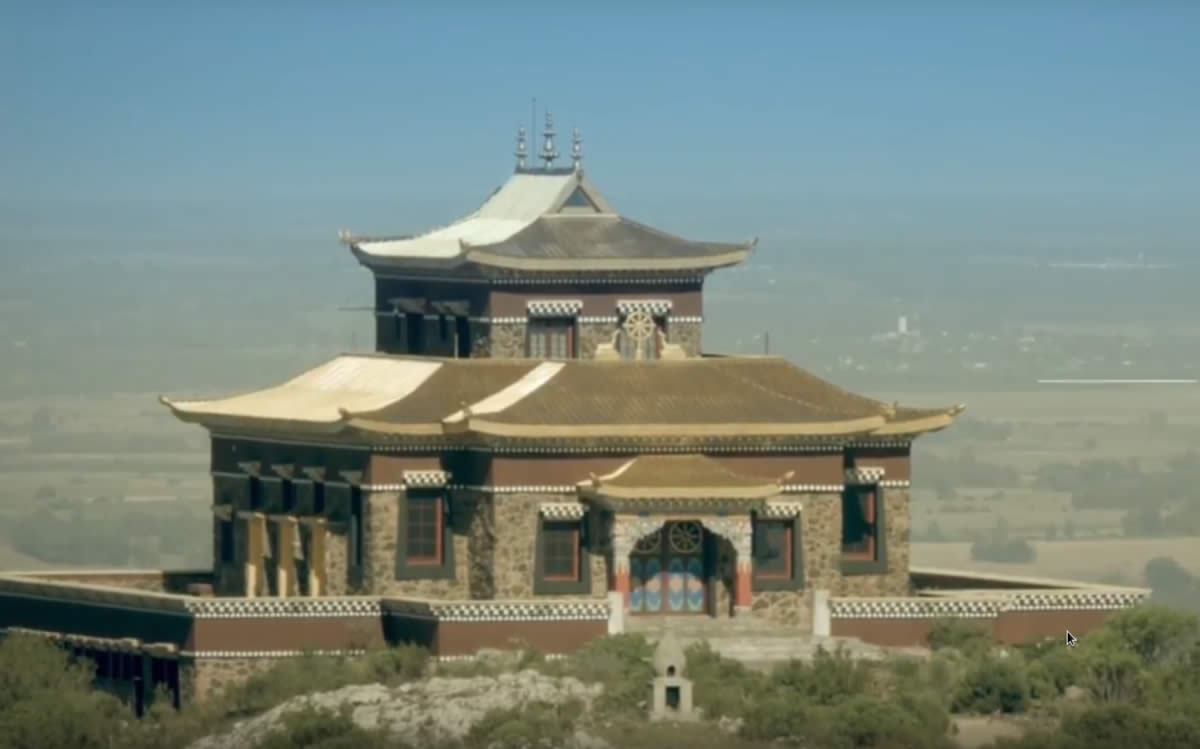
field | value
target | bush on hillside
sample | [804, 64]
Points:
[965, 635]
[993, 685]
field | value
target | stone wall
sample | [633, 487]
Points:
[480, 340]
[506, 340]
[337, 560]
[515, 522]
[481, 543]
[591, 335]
[382, 545]
[204, 678]
[822, 522]
[686, 334]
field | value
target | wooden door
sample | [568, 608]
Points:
[668, 572]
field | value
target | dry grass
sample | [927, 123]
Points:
[1106, 560]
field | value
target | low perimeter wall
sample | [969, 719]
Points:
[212, 642]
[1014, 609]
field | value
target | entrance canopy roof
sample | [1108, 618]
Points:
[653, 479]
[374, 398]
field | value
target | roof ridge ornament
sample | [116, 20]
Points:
[549, 153]
[522, 149]
[577, 150]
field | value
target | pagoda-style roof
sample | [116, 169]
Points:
[691, 476]
[550, 221]
[374, 397]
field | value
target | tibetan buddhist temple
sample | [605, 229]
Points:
[540, 447]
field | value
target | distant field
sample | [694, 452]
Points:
[1049, 404]
[1028, 512]
[1106, 560]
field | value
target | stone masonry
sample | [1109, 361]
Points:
[686, 334]
[516, 519]
[507, 340]
[822, 529]
[382, 545]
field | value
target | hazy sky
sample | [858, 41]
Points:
[935, 123]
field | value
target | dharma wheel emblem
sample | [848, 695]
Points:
[685, 538]
[639, 326]
[649, 544]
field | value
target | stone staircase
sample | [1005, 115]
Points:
[755, 642]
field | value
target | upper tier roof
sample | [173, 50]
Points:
[373, 397]
[547, 221]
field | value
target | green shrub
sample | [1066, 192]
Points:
[966, 635]
[868, 721]
[1154, 633]
[1120, 726]
[993, 685]
[536, 724]
[832, 677]
[621, 663]
[723, 687]
[321, 728]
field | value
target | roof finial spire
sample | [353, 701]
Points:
[522, 151]
[577, 150]
[549, 154]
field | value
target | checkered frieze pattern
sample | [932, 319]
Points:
[217, 654]
[782, 510]
[562, 510]
[519, 488]
[652, 307]
[895, 484]
[811, 488]
[864, 475]
[1059, 600]
[912, 608]
[283, 608]
[553, 307]
[426, 479]
[520, 611]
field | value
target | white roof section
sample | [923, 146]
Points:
[321, 395]
[502, 399]
[520, 201]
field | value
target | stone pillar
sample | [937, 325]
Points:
[316, 556]
[256, 539]
[822, 624]
[739, 532]
[616, 609]
[285, 570]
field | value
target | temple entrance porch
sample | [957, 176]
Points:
[671, 566]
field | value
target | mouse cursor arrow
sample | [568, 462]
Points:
[1071, 639]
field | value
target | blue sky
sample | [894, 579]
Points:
[903, 122]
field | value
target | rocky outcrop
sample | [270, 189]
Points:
[425, 712]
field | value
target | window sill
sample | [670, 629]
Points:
[775, 584]
[551, 587]
[425, 571]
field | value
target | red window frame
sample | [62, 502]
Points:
[786, 574]
[869, 498]
[557, 527]
[439, 523]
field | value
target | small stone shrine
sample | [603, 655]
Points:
[671, 697]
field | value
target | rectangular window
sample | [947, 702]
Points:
[551, 338]
[256, 493]
[860, 533]
[426, 533]
[561, 559]
[423, 530]
[560, 552]
[226, 541]
[773, 549]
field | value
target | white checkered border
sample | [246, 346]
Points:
[284, 608]
[984, 607]
[553, 307]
